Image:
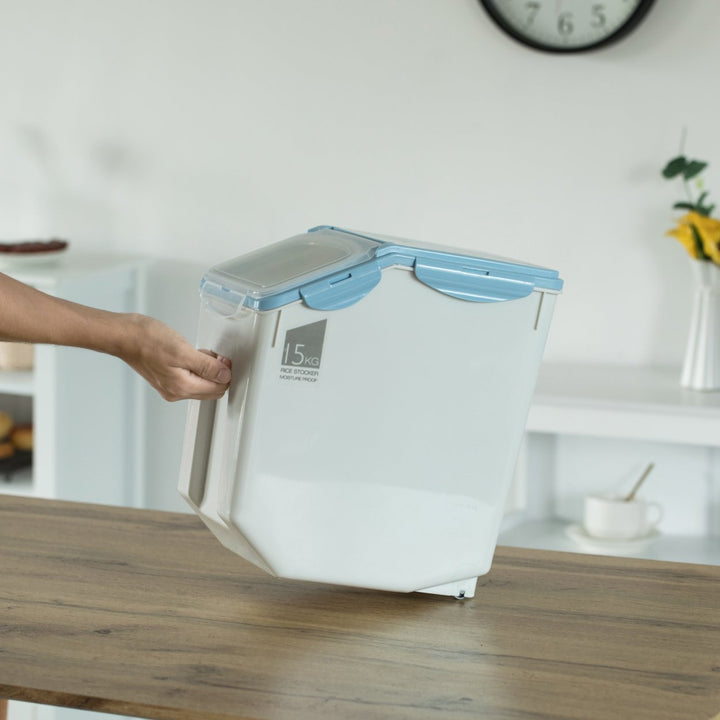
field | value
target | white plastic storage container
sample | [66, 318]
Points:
[379, 396]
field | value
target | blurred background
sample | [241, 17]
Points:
[187, 132]
[190, 132]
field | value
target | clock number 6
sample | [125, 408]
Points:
[565, 25]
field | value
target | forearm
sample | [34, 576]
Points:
[28, 315]
[157, 352]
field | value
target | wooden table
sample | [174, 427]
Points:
[144, 613]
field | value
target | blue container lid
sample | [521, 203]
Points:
[330, 268]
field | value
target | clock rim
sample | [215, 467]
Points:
[625, 29]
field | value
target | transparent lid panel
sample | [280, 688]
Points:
[300, 258]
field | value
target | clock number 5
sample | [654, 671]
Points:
[599, 20]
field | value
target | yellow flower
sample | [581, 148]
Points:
[683, 232]
[708, 230]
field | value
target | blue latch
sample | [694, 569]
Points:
[342, 289]
[472, 283]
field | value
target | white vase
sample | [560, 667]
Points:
[701, 369]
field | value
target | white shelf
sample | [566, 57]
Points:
[85, 407]
[17, 382]
[550, 535]
[623, 402]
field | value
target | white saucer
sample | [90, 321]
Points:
[606, 546]
[23, 260]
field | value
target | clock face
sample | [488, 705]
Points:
[567, 25]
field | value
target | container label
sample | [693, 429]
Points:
[302, 352]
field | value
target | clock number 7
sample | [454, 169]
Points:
[533, 9]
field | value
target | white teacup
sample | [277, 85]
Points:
[611, 517]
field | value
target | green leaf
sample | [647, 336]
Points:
[683, 206]
[698, 243]
[675, 167]
[693, 168]
[701, 207]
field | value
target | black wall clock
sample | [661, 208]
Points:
[564, 26]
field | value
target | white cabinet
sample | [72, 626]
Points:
[594, 428]
[85, 406]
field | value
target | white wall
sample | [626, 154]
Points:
[198, 129]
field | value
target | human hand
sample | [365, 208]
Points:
[162, 356]
[171, 364]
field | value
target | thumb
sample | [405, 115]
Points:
[210, 366]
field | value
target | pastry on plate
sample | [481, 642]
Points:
[27, 247]
[22, 436]
[6, 424]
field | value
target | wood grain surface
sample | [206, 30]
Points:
[144, 613]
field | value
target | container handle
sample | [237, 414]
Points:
[196, 451]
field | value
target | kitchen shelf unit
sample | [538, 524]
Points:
[17, 382]
[623, 402]
[607, 402]
[86, 407]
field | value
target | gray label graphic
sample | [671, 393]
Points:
[302, 351]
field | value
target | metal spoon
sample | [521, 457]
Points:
[639, 482]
